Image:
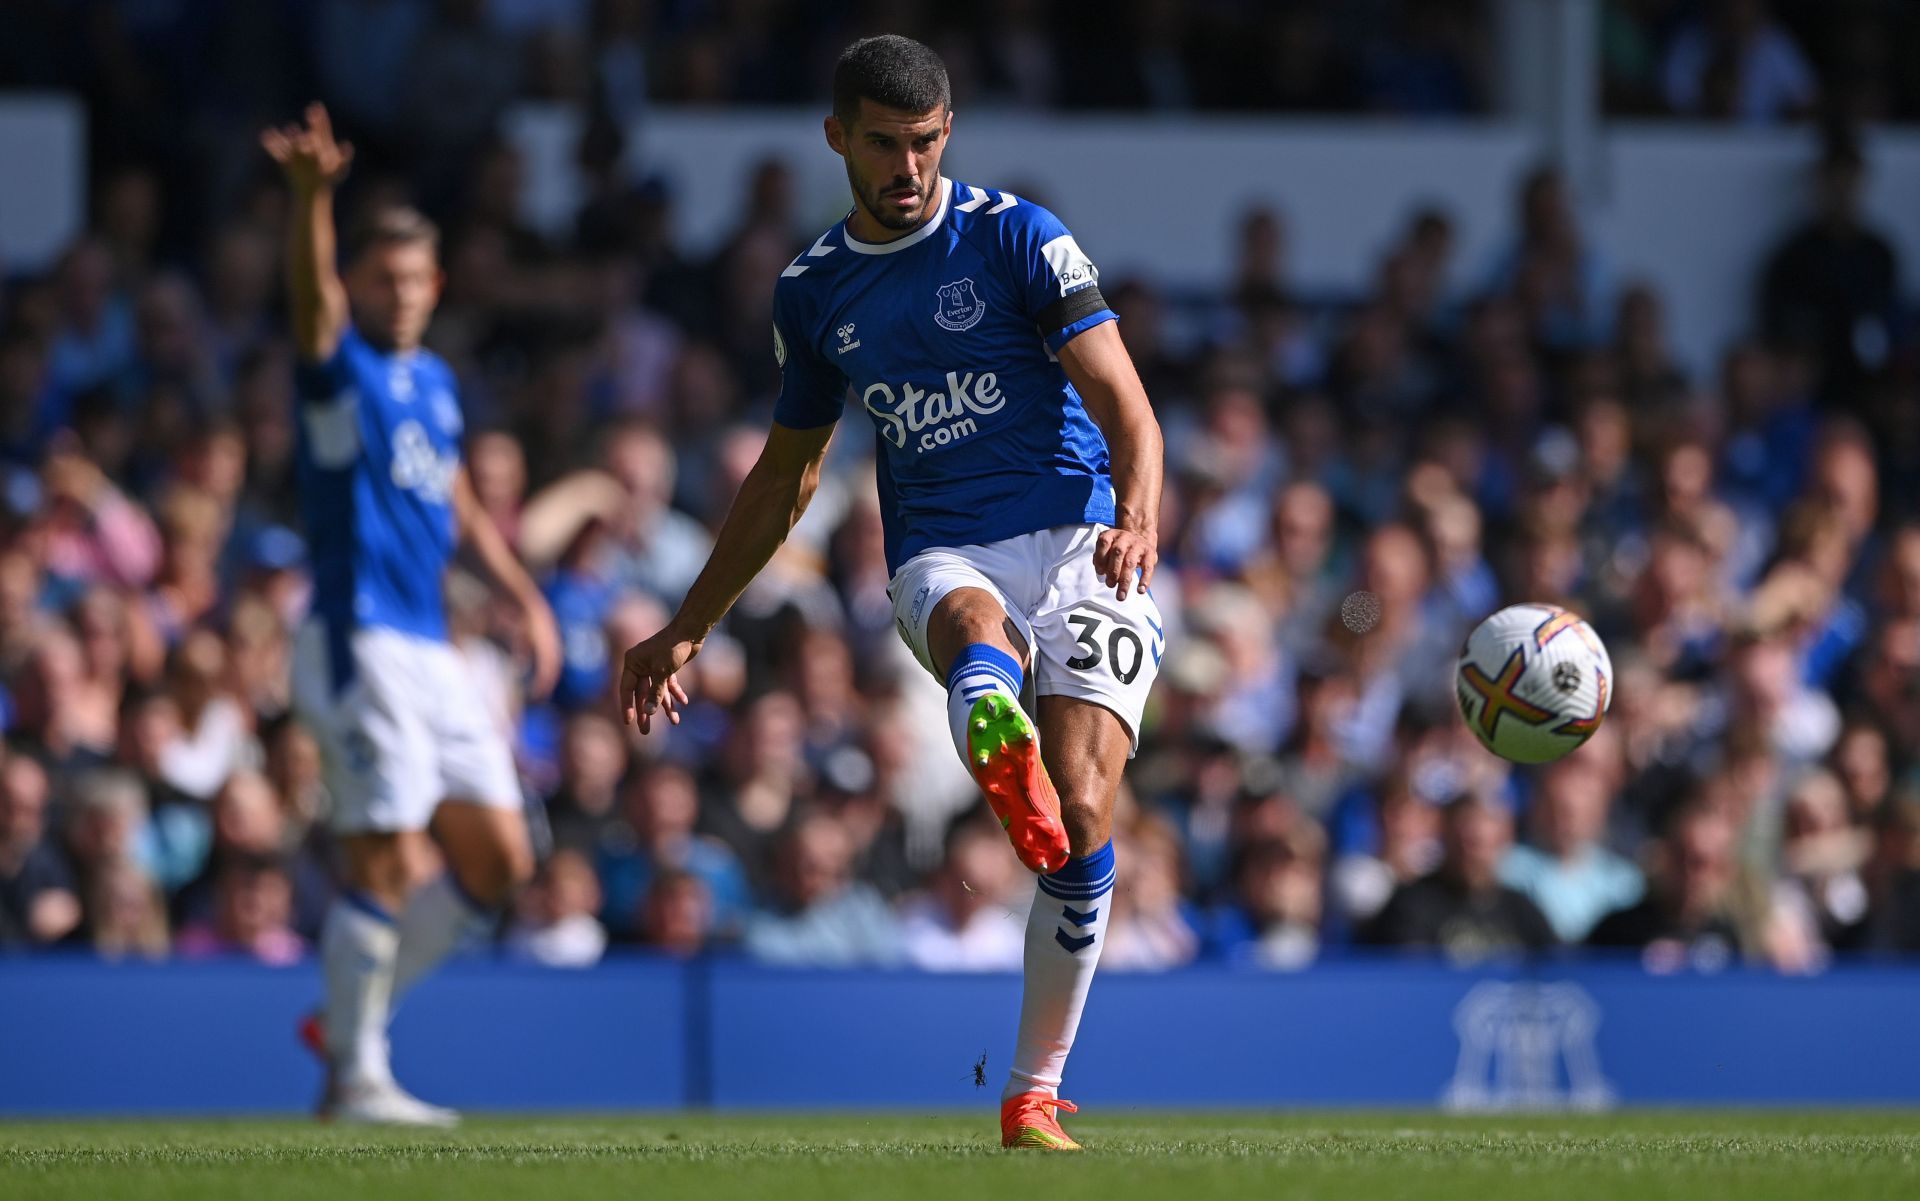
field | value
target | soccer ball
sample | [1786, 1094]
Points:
[1534, 682]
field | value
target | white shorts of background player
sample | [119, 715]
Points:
[1082, 642]
[408, 731]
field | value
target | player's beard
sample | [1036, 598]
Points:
[874, 201]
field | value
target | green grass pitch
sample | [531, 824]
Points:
[1698, 1156]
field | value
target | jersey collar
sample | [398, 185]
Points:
[919, 235]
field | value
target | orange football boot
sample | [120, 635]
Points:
[1029, 1120]
[1004, 754]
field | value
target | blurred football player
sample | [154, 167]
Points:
[1019, 475]
[410, 753]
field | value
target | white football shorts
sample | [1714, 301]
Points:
[1082, 642]
[405, 732]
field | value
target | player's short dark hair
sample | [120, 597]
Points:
[393, 225]
[891, 70]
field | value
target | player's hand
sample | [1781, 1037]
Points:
[307, 154]
[1118, 554]
[649, 680]
[543, 641]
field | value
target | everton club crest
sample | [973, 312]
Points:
[959, 308]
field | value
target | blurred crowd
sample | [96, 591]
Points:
[1746, 539]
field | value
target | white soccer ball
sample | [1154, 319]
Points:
[1534, 682]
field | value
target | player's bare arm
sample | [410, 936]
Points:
[314, 164]
[772, 498]
[1102, 372]
[490, 547]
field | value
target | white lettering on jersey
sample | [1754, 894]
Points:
[417, 467]
[1071, 266]
[333, 430]
[939, 418]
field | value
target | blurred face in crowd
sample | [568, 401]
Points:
[247, 815]
[817, 858]
[662, 805]
[1845, 480]
[978, 873]
[1817, 807]
[1900, 579]
[676, 914]
[1302, 526]
[893, 161]
[1765, 675]
[772, 736]
[1395, 568]
[593, 756]
[499, 470]
[1700, 853]
[152, 727]
[1861, 761]
[253, 902]
[1571, 810]
[100, 619]
[1280, 881]
[23, 803]
[393, 288]
[1475, 836]
[572, 889]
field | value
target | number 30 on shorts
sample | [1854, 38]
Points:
[1123, 654]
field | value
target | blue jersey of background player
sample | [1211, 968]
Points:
[949, 339]
[379, 456]
[408, 749]
[1020, 473]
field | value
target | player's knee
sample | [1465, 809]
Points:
[375, 866]
[495, 871]
[1089, 822]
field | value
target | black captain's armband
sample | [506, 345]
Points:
[1079, 303]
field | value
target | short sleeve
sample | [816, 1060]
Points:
[812, 391]
[1060, 284]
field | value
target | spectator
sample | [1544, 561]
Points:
[38, 904]
[659, 805]
[1830, 286]
[821, 916]
[964, 922]
[1739, 65]
[1274, 919]
[676, 916]
[252, 916]
[1462, 909]
[554, 923]
[127, 916]
[1688, 917]
[1152, 927]
[1567, 872]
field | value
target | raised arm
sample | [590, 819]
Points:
[1102, 372]
[772, 498]
[313, 164]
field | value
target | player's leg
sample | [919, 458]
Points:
[357, 946]
[1095, 657]
[1085, 748]
[962, 629]
[481, 829]
[377, 759]
[488, 858]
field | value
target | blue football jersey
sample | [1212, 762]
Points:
[379, 451]
[947, 337]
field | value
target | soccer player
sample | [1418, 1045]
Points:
[1019, 475]
[409, 750]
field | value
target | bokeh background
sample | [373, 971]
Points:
[1606, 303]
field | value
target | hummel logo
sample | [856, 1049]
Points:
[847, 341]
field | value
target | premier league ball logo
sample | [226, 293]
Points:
[959, 308]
